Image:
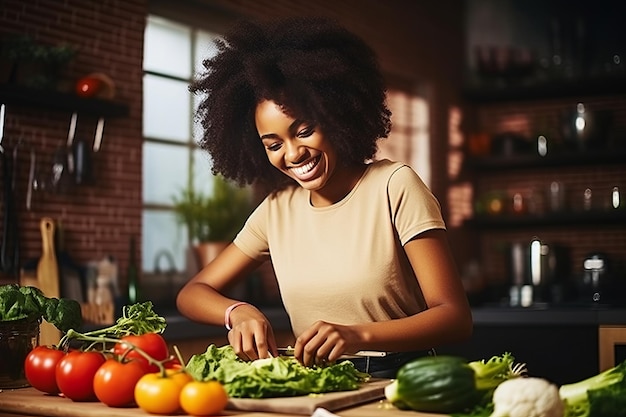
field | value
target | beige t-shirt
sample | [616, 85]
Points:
[344, 263]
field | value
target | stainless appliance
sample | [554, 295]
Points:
[596, 282]
[537, 271]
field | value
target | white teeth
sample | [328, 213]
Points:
[304, 168]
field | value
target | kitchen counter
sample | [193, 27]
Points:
[28, 402]
[545, 316]
[547, 338]
[181, 328]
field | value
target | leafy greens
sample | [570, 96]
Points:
[29, 303]
[272, 377]
[136, 319]
[601, 395]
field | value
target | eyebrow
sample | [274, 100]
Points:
[292, 128]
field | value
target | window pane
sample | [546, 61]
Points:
[160, 97]
[164, 171]
[161, 233]
[167, 48]
[205, 48]
[408, 140]
[202, 176]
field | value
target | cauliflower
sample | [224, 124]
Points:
[527, 397]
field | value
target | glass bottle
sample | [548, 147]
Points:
[132, 277]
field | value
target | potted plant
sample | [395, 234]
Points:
[212, 221]
[33, 64]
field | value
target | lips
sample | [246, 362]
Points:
[306, 171]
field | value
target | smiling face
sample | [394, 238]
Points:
[295, 147]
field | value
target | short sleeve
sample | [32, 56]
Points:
[414, 208]
[252, 239]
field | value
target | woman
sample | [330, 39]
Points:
[359, 247]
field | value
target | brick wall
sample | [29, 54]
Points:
[97, 219]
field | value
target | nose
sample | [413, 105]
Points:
[295, 152]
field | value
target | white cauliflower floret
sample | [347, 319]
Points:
[527, 397]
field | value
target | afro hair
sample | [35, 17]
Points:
[314, 68]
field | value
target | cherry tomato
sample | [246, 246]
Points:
[158, 394]
[75, 373]
[206, 398]
[179, 376]
[151, 343]
[40, 368]
[114, 382]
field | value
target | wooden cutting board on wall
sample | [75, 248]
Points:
[48, 279]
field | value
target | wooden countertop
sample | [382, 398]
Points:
[28, 402]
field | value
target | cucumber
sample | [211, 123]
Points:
[439, 384]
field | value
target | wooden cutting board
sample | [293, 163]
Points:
[48, 279]
[306, 405]
[30, 402]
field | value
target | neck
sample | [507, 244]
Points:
[342, 182]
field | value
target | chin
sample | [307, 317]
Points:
[313, 185]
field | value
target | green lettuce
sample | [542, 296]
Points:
[272, 377]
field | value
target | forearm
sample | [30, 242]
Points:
[203, 304]
[431, 328]
[202, 299]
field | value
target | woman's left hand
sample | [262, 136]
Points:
[324, 342]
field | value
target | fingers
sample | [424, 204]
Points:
[271, 343]
[253, 340]
[321, 344]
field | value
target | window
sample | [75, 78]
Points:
[408, 140]
[173, 52]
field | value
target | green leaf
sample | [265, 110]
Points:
[272, 377]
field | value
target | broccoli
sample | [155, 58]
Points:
[602, 395]
[491, 373]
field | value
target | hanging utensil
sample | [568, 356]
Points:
[98, 136]
[2, 110]
[83, 155]
[63, 165]
[70, 140]
[31, 180]
[9, 251]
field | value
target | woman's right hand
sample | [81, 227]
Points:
[251, 334]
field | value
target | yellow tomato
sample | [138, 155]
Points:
[158, 394]
[179, 376]
[203, 398]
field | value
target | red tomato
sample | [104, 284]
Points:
[151, 343]
[114, 382]
[75, 373]
[40, 368]
[88, 86]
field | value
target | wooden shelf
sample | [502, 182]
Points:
[58, 101]
[490, 92]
